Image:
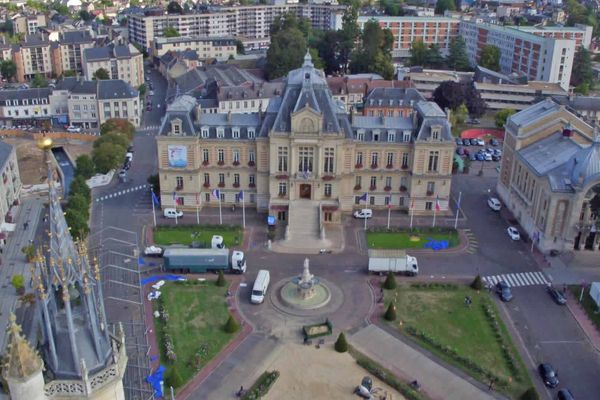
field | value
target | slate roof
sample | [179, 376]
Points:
[20, 94]
[393, 97]
[579, 103]
[84, 87]
[5, 150]
[115, 89]
[75, 37]
[534, 113]
[108, 52]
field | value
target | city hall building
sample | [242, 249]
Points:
[306, 155]
[550, 177]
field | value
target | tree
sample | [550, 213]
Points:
[174, 8]
[502, 116]
[433, 57]
[154, 181]
[174, 378]
[101, 74]
[85, 15]
[418, 53]
[286, 52]
[221, 281]
[374, 52]
[170, 31]
[341, 344]
[68, 73]
[475, 104]
[78, 223]
[113, 138]
[442, 5]
[449, 95]
[79, 186]
[79, 203]
[142, 89]
[8, 69]
[39, 81]
[390, 281]
[582, 89]
[231, 326]
[239, 47]
[457, 55]
[392, 7]
[29, 252]
[530, 394]
[84, 166]
[390, 313]
[461, 113]
[348, 36]
[477, 283]
[108, 156]
[582, 68]
[118, 126]
[490, 57]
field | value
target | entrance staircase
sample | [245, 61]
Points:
[303, 235]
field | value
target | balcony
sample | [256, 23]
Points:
[236, 184]
[374, 166]
[206, 184]
[372, 188]
[251, 163]
[403, 188]
[357, 187]
[429, 193]
[358, 166]
[221, 184]
[389, 166]
[387, 188]
[236, 163]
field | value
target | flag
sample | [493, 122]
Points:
[390, 201]
[412, 204]
[179, 201]
[174, 195]
[437, 203]
[155, 199]
[197, 198]
[217, 194]
[241, 195]
[363, 197]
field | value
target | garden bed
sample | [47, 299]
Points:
[190, 330]
[381, 238]
[201, 235]
[261, 386]
[473, 338]
[317, 330]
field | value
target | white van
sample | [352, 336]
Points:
[172, 213]
[364, 213]
[259, 290]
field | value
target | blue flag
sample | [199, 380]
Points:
[217, 194]
[155, 199]
[363, 197]
[241, 195]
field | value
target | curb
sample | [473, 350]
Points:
[576, 310]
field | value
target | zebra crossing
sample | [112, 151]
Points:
[518, 279]
[122, 192]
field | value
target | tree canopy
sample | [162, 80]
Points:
[108, 156]
[502, 116]
[101, 74]
[117, 126]
[174, 8]
[39, 81]
[374, 52]
[170, 31]
[451, 95]
[8, 68]
[457, 55]
[84, 166]
[442, 5]
[288, 46]
[582, 72]
[490, 57]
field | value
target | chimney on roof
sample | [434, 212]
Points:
[229, 116]
[567, 131]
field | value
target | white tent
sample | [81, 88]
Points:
[595, 293]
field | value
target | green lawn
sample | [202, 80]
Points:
[409, 240]
[588, 304]
[197, 314]
[167, 235]
[451, 330]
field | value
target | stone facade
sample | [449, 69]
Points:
[10, 182]
[305, 147]
[549, 176]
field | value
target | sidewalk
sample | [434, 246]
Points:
[436, 381]
[586, 325]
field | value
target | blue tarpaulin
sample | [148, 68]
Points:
[157, 278]
[436, 244]
[155, 381]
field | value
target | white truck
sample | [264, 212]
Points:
[396, 261]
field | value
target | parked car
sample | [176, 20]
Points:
[480, 157]
[151, 93]
[459, 141]
[154, 251]
[364, 213]
[172, 213]
[494, 142]
[565, 394]
[487, 156]
[123, 173]
[460, 151]
[497, 152]
[496, 158]
[467, 152]
[494, 204]
[556, 295]
[473, 157]
[504, 291]
[474, 142]
[73, 129]
[513, 233]
[466, 142]
[549, 375]
[149, 107]
[130, 149]
[480, 142]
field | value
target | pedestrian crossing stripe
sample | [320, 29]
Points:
[121, 192]
[518, 279]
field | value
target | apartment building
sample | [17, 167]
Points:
[28, 24]
[123, 62]
[10, 189]
[535, 57]
[72, 44]
[406, 30]
[25, 105]
[220, 48]
[427, 80]
[32, 56]
[91, 103]
[581, 34]
[549, 176]
[239, 21]
[305, 158]
[518, 97]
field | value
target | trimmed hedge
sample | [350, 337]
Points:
[262, 386]
[415, 231]
[385, 375]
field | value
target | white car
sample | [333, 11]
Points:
[172, 213]
[480, 142]
[153, 251]
[494, 204]
[488, 156]
[513, 233]
[73, 129]
[151, 93]
[364, 213]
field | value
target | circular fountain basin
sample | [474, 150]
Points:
[291, 296]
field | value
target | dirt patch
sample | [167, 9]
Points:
[31, 159]
[310, 373]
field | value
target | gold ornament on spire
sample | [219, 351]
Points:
[44, 143]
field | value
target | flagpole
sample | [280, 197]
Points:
[434, 214]
[457, 210]
[389, 211]
[197, 209]
[243, 211]
[220, 214]
[153, 210]
[412, 212]
[366, 203]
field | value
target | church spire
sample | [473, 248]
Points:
[308, 60]
[21, 360]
